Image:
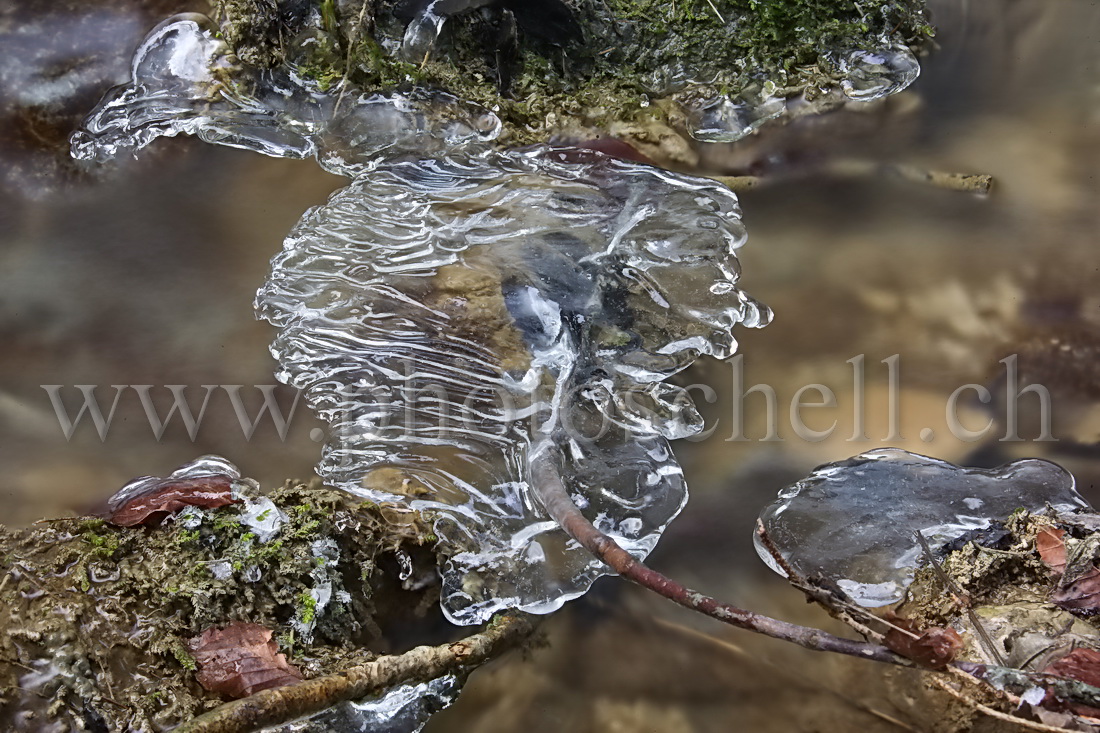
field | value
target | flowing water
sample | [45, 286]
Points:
[144, 274]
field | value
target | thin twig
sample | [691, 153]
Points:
[738, 184]
[786, 671]
[283, 704]
[996, 714]
[978, 183]
[830, 600]
[560, 506]
[963, 599]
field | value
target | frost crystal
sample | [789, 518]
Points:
[855, 522]
[446, 316]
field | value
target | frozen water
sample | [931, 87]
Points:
[444, 315]
[208, 465]
[401, 709]
[855, 522]
[184, 81]
[456, 307]
[861, 76]
[868, 75]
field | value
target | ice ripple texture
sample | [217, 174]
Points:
[854, 522]
[452, 318]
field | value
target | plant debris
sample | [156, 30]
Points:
[1052, 548]
[169, 496]
[934, 648]
[240, 659]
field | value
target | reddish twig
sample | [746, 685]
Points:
[561, 508]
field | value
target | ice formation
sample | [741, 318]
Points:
[202, 467]
[452, 318]
[861, 76]
[721, 102]
[458, 313]
[402, 709]
[855, 522]
[185, 81]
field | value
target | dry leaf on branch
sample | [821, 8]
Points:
[1082, 596]
[1083, 665]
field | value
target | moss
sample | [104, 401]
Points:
[181, 655]
[103, 602]
[606, 76]
[307, 607]
[103, 545]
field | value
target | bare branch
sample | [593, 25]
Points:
[283, 704]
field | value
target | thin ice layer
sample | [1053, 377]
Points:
[443, 316]
[401, 709]
[855, 522]
[185, 81]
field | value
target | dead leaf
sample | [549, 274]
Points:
[934, 648]
[1083, 665]
[1082, 596]
[240, 659]
[1052, 549]
[170, 495]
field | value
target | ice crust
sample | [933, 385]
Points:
[855, 522]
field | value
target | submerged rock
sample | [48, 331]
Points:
[855, 522]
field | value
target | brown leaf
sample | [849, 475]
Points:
[1082, 596]
[239, 660]
[1052, 548]
[934, 647]
[616, 148]
[1082, 665]
[162, 498]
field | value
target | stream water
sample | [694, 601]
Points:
[145, 274]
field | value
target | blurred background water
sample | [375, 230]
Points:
[145, 274]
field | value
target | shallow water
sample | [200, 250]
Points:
[146, 275]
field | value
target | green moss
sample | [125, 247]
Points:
[307, 607]
[179, 651]
[114, 601]
[606, 76]
[104, 545]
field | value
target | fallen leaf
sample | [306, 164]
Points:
[1052, 548]
[240, 659]
[934, 647]
[1080, 664]
[162, 498]
[1082, 596]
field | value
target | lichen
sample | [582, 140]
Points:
[101, 614]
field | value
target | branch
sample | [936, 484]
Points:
[560, 506]
[283, 704]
